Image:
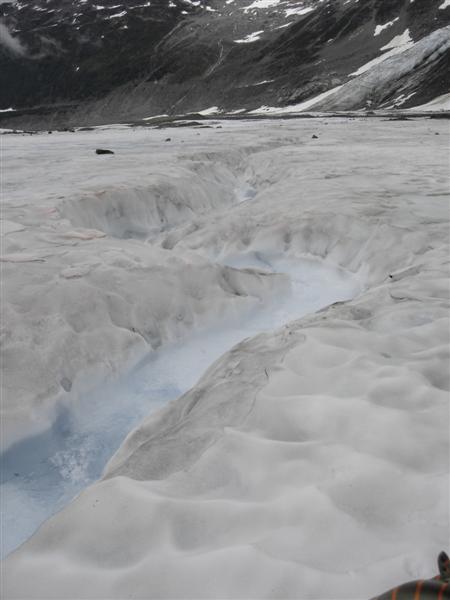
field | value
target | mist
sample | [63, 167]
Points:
[10, 42]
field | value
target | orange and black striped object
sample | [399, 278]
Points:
[437, 588]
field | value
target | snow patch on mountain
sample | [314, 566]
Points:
[380, 28]
[298, 11]
[251, 37]
[441, 103]
[261, 4]
[399, 41]
[212, 110]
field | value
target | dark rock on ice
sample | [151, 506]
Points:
[66, 384]
[103, 151]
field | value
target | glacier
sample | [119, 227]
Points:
[311, 458]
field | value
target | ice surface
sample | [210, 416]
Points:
[99, 303]
[41, 474]
[394, 50]
[293, 108]
[309, 461]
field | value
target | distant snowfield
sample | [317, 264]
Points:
[441, 103]
[308, 461]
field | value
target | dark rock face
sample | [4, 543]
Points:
[74, 50]
[128, 60]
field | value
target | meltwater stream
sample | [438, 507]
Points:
[42, 474]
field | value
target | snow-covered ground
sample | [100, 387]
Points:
[310, 461]
[43, 473]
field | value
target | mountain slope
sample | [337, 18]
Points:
[138, 58]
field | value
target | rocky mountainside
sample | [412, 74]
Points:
[133, 59]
